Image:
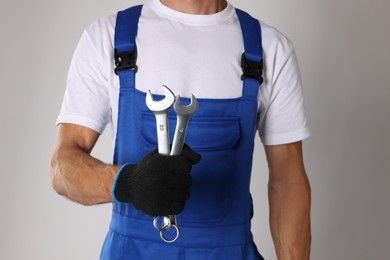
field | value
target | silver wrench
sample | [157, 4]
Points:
[160, 111]
[183, 117]
[183, 114]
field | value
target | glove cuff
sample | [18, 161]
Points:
[122, 184]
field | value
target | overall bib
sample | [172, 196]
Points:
[216, 222]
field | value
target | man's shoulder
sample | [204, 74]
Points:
[273, 39]
[103, 24]
[106, 23]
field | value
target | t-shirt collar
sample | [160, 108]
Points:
[192, 19]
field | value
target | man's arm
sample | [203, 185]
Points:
[289, 200]
[74, 173]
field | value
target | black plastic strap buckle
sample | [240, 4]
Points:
[125, 60]
[251, 69]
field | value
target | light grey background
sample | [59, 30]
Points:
[343, 49]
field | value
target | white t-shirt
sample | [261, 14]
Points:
[198, 54]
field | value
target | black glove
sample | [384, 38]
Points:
[159, 185]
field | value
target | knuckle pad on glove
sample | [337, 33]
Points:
[182, 165]
[181, 182]
[191, 155]
[176, 208]
[179, 195]
[183, 195]
[186, 181]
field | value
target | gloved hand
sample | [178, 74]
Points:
[159, 185]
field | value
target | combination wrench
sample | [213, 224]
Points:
[160, 110]
[183, 115]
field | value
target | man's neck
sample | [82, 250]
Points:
[196, 6]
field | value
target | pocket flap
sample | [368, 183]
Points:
[203, 133]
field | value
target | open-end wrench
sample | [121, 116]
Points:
[183, 114]
[160, 111]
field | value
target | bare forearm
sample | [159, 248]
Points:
[290, 216]
[80, 177]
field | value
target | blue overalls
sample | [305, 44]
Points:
[216, 222]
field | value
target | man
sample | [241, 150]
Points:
[194, 47]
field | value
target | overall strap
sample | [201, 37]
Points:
[125, 67]
[252, 58]
[125, 49]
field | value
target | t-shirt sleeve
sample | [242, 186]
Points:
[86, 101]
[282, 118]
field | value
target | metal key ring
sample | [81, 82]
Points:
[174, 239]
[166, 223]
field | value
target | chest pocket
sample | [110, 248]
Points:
[215, 138]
